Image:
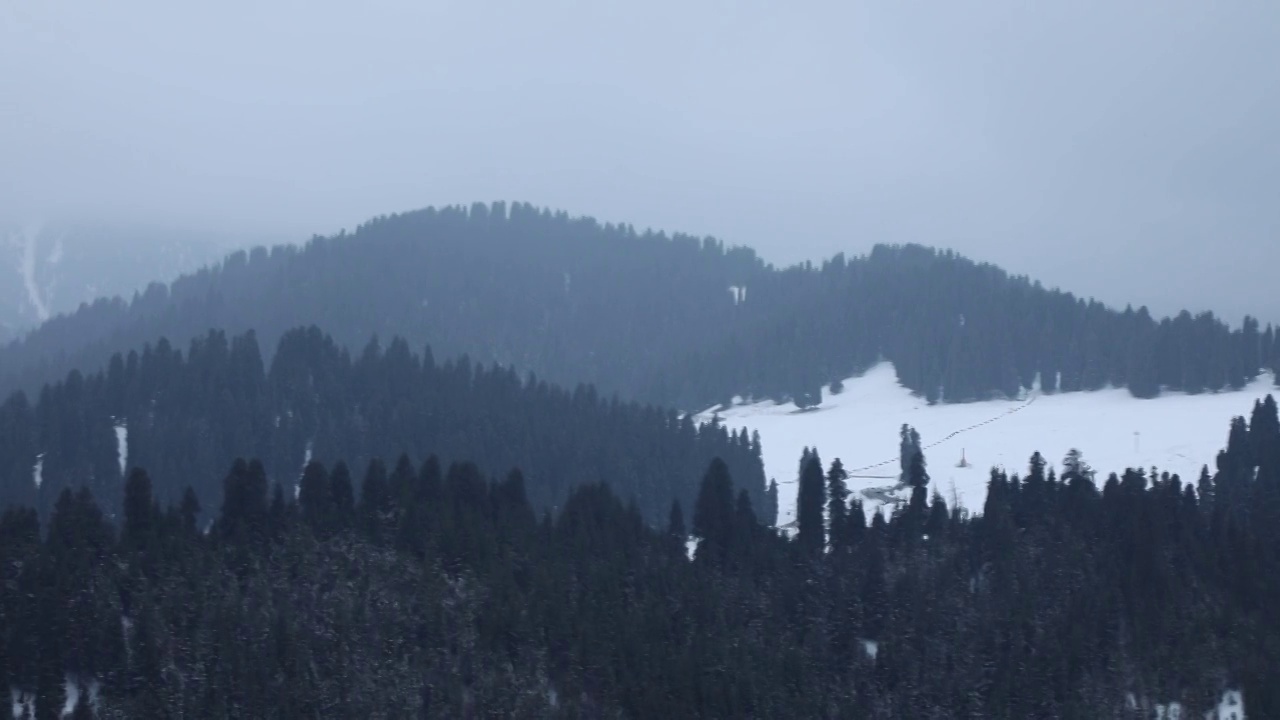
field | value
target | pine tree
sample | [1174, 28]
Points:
[856, 523]
[1264, 435]
[809, 506]
[315, 499]
[402, 488]
[917, 475]
[244, 503]
[675, 525]
[139, 511]
[908, 448]
[939, 517]
[375, 492]
[874, 587]
[279, 507]
[837, 511]
[771, 503]
[1074, 466]
[341, 497]
[146, 665]
[713, 512]
[744, 523]
[189, 510]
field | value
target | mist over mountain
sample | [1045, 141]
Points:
[51, 268]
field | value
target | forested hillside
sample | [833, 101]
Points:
[676, 321]
[186, 417]
[433, 593]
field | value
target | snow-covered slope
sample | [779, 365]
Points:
[1175, 432]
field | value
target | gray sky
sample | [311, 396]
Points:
[1122, 149]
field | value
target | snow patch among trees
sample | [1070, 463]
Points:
[1231, 707]
[306, 460]
[76, 691]
[37, 472]
[871, 648]
[691, 546]
[122, 445]
[22, 705]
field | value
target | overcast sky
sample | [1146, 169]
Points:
[1126, 150]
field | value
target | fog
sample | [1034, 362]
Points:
[1123, 150]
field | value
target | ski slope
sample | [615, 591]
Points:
[1176, 432]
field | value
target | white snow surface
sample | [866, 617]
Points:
[1175, 432]
[37, 472]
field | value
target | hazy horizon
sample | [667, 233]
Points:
[1122, 152]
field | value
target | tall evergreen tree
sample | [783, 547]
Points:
[811, 533]
[375, 494]
[771, 503]
[917, 475]
[140, 514]
[908, 448]
[837, 511]
[315, 498]
[713, 512]
[675, 525]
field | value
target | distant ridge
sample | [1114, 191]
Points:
[674, 320]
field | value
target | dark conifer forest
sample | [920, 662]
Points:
[438, 591]
[673, 320]
[445, 467]
[185, 417]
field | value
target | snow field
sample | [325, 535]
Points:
[1175, 432]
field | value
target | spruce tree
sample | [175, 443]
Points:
[837, 511]
[315, 500]
[342, 497]
[139, 511]
[189, 510]
[713, 512]
[908, 448]
[375, 495]
[744, 524]
[279, 506]
[675, 524]
[939, 517]
[917, 475]
[809, 506]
